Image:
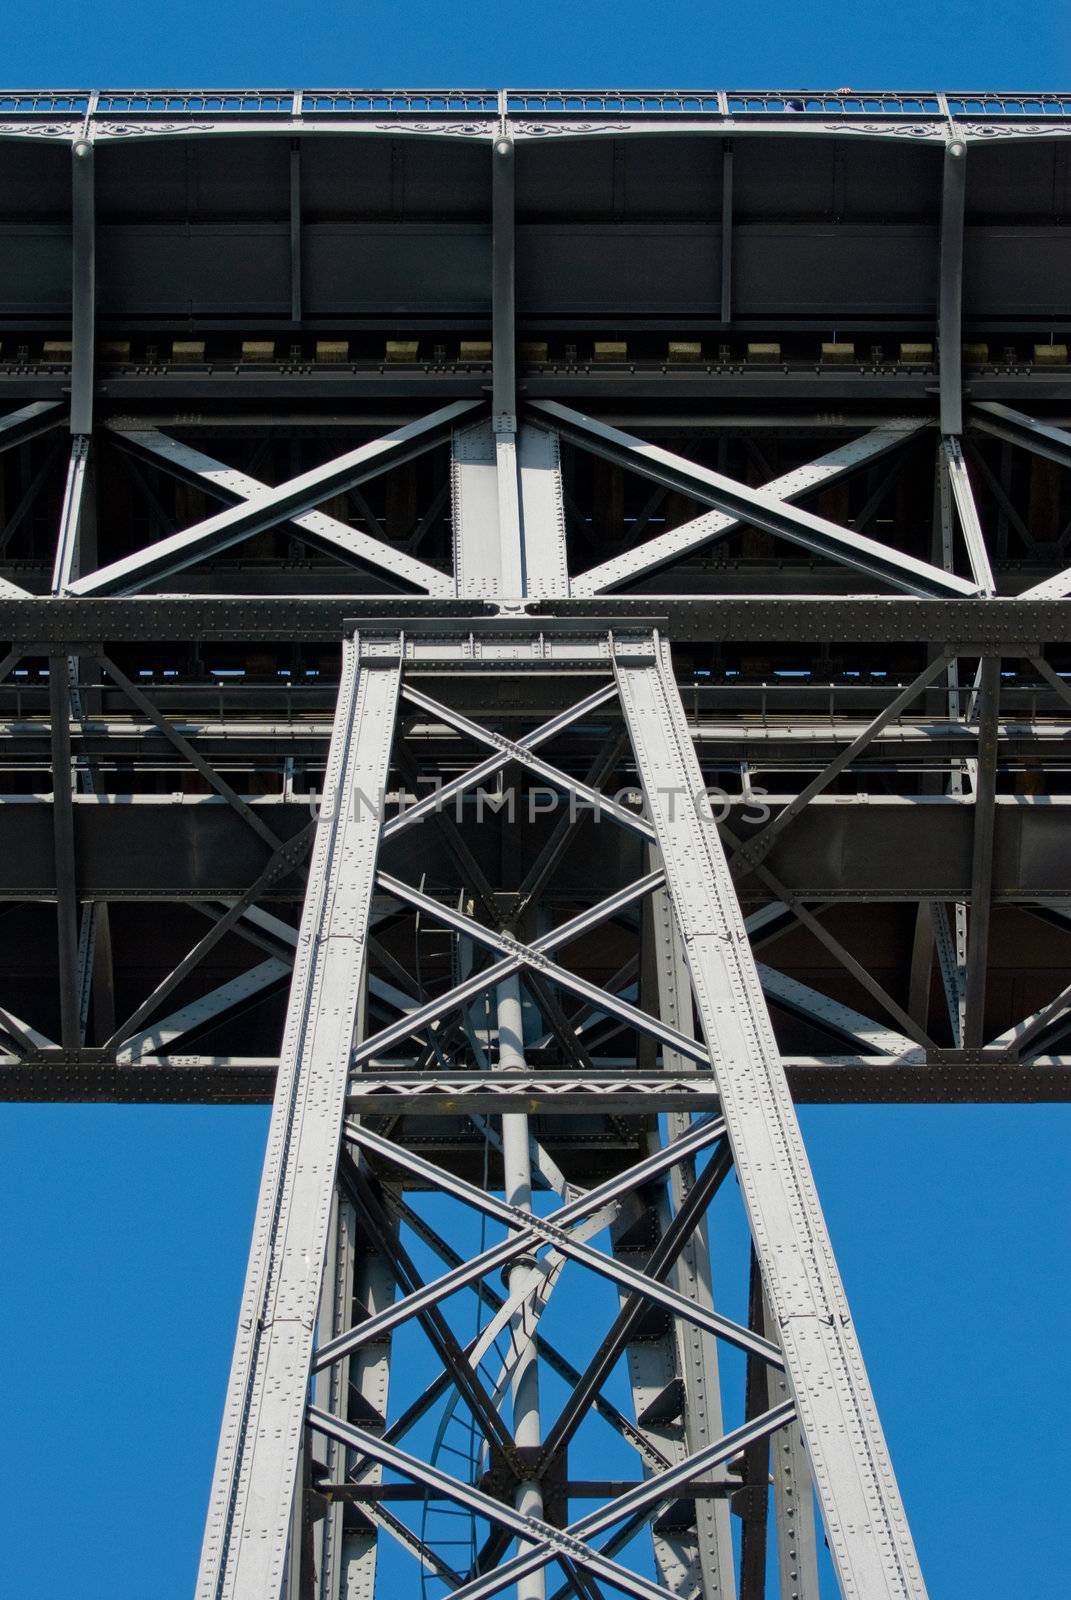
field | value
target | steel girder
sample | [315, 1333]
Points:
[256, 1468]
[865, 1521]
[699, 941]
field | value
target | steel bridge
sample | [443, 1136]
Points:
[535, 635]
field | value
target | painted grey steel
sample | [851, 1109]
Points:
[1029, 433]
[865, 1522]
[797, 1543]
[66, 564]
[754, 851]
[950, 292]
[550, 1542]
[757, 506]
[29, 422]
[1002, 622]
[83, 285]
[573, 1211]
[289, 499]
[551, 1232]
[727, 231]
[194, 466]
[59, 691]
[696, 1353]
[982, 865]
[517, 1184]
[187, 751]
[967, 511]
[834, 1015]
[254, 1481]
[702, 531]
[167, 1029]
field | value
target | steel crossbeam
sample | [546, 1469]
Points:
[549, 1231]
[864, 1518]
[521, 751]
[548, 1543]
[702, 531]
[292, 498]
[256, 1467]
[1029, 433]
[508, 750]
[520, 955]
[523, 1237]
[756, 506]
[204, 471]
[536, 957]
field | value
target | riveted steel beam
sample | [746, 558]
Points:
[286, 500]
[193, 466]
[256, 1467]
[853, 1475]
[756, 506]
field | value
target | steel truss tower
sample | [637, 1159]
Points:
[556, 982]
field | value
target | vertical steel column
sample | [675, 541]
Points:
[985, 789]
[797, 1544]
[295, 230]
[865, 1523]
[950, 291]
[243, 1557]
[698, 1351]
[727, 232]
[504, 353]
[517, 1183]
[59, 698]
[951, 954]
[83, 285]
[68, 545]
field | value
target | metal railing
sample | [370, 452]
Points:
[567, 103]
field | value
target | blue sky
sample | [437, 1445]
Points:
[124, 1236]
[596, 43]
[124, 1230]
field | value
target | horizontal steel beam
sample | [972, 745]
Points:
[64, 622]
[952, 1077]
[864, 847]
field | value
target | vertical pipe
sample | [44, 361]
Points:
[504, 376]
[295, 230]
[727, 233]
[950, 293]
[59, 695]
[517, 1169]
[83, 285]
[982, 869]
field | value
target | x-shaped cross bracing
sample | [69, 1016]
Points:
[530, 1232]
[546, 1543]
[294, 498]
[321, 529]
[762, 508]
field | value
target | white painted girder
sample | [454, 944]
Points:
[864, 1517]
[244, 1551]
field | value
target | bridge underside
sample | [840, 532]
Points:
[533, 634]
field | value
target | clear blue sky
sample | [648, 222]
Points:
[974, 44]
[124, 1230]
